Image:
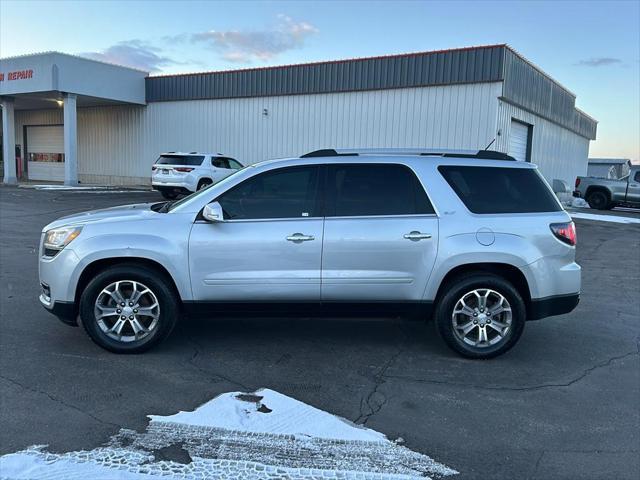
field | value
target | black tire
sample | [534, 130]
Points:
[160, 287]
[204, 183]
[169, 194]
[599, 200]
[459, 288]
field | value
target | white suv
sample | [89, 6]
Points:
[175, 172]
[474, 240]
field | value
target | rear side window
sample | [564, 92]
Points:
[234, 164]
[284, 193]
[192, 160]
[500, 190]
[220, 162]
[374, 189]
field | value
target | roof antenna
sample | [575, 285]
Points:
[487, 147]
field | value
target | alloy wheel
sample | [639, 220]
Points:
[127, 311]
[482, 318]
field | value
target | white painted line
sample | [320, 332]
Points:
[85, 188]
[604, 218]
[263, 435]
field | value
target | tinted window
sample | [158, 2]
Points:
[234, 164]
[285, 193]
[500, 190]
[636, 177]
[193, 160]
[220, 162]
[374, 189]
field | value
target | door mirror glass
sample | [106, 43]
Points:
[213, 212]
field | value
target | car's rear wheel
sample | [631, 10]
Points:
[599, 200]
[205, 182]
[128, 308]
[480, 316]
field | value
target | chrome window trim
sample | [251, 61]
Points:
[353, 217]
[407, 215]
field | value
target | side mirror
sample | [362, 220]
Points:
[213, 212]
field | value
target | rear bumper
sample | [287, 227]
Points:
[576, 193]
[551, 306]
[172, 188]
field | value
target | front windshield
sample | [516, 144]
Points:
[194, 195]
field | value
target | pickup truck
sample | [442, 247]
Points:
[604, 193]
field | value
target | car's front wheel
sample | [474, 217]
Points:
[128, 308]
[480, 316]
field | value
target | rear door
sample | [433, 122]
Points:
[380, 234]
[221, 167]
[268, 248]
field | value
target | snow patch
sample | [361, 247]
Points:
[604, 218]
[262, 435]
[86, 188]
[288, 416]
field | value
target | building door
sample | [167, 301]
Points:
[45, 152]
[520, 141]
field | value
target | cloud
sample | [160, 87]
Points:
[599, 62]
[133, 53]
[262, 45]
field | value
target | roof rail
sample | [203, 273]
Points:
[425, 152]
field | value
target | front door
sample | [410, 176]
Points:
[380, 235]
[633, 190]
[268, 248]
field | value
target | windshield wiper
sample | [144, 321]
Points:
[167, 205]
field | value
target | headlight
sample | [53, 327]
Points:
[58, 238]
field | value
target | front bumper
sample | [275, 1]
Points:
[551, 306]
[67, 312]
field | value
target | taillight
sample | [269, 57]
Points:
[183, 169]
[565, 232]
[577, 182]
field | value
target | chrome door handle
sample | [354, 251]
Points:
[416, 236]
[299, 237]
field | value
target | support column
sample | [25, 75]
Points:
[70, 140]
[9, 142]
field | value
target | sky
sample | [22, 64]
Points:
[591, 47]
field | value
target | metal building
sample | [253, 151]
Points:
[81, 120]
[613, 168]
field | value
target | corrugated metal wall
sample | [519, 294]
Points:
[119, 144]
[464, 65]
[524, 84]
[558, 152]
[530, 88]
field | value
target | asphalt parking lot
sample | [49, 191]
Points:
[564, 403]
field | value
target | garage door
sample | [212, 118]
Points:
[45, 153]
[519, 140]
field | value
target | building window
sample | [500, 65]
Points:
[46, 157]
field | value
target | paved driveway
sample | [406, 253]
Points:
[562, 404]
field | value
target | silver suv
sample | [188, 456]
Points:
[474, 240]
